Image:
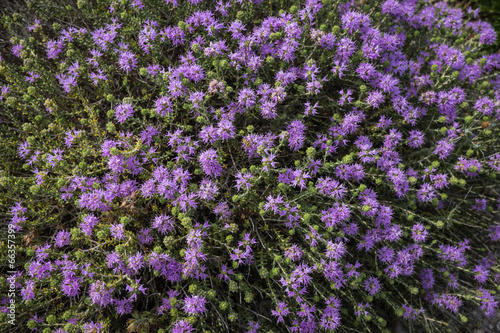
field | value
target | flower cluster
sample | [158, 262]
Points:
[250, 166]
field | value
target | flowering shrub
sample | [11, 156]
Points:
[250, 166]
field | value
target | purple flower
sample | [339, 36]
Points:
[439, 180]
[144, 236]
[470, 167]
[481, 274]
[89, 222]
[294, 253]
[296, 131]
[123, 112]
[222, 210]
[71, 286]
[197, 99]
[62, 238]
[27, 293]
[136, 262]
[194, 305]
[163, 224]
[281, 311]
[209, 164]
[208, 190]
[243, 180]
[182, 326]
[335, 250]
[375, 98]
[372, 285]
[444, 148]
[330, 319]
[246, 98]
[54, 48]
[17, 50]
[100, 294]
[117, 231]
[225, 129]
[419, 233]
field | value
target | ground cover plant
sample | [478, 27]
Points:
[248, 166]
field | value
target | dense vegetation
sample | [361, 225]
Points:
[248, 166]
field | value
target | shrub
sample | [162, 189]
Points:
[249, 166]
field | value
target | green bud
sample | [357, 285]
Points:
[347, 159]
[223, 305]
[110, 127]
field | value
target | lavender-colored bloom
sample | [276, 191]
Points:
[375, 98]
[426, 193]
[294, 253]
[136, 262]
[335, 250]
[470, 167]
[163, 224]
[100, 294]
[330, 319]
[419, 233]
[209, 164]
[54, 48]
[117, 231]
[372, 285]
[27, 293]
[182, 326]
[246, 98]
[71, 286]
[296, 131]
[123, 112]
[444, 148]
[17, 50]
[89, 222]
[144, 236]
[222, 210]
[208, 190]
[439, 180]
[225, 129]
[194, 305]
[281, 311]
[243, 180]
[481, 273]
[62, 238]
[123, 306]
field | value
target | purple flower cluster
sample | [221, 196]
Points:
[328, 157]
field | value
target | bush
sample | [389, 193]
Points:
[249, 166]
